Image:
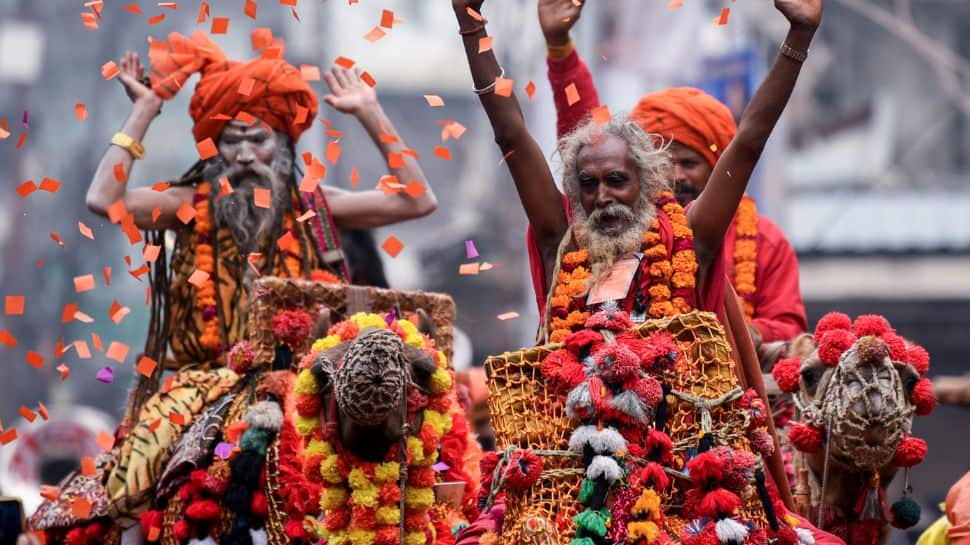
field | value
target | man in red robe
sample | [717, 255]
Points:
[758, 259]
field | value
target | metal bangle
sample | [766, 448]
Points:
[793, 54]
[491, 86]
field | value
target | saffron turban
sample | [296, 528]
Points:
[268, 87]
[689, 116]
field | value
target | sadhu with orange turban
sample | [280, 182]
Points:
[267, 87]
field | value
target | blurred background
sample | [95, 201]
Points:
[868, 172]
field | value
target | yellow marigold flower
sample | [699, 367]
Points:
[415, 340]
[324, 343]
[440, 381]
[340, 537]
[387, 472]
[388, 515]
[414, 538]
[305, 425]
[442, 360]
[416, 448]
[418, 498]
[333, 498]
[357, 479]
[329, 470]
[306, 383]
[366, 496]
[369, 319]
[408, 327]
[439, 422]
[318, 448]
[362, 537]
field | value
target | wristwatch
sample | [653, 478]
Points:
[134, 147]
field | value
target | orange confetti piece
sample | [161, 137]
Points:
[146, 366]
[333, 153]
[28, 414]
[109, 70]
[161, 186]
[601, 114]
[7, 339]
[368, 79]
[107, 275]
[105, 440]
[468, 268]
[96, 342]
[354, 177]
[83, 318]
[434, 101]
[117, 351]
[156, 19]
[261, 197]
[49, 493]
[156, 212]
[150, 252]
[572, 94]
[485, 44]
[474, 14]
[442, 152]
[220, 25]
[81, 508]
[375, 34]
[393, 246]
[8, 436]
[674, 4]
[198, 278]
[250, 10]
[118, 315]
[120, 175]
[84, 283]
[486, 266]
[64, 370]
[49, 185]
[395, 160]
[344, 63]
[508, 315]
[158, 421]
[26, 188]
[80, 111]
[117, 211]
[503, 87]
[310, 72]
[185, 213]
[133, 8]
[415, 189]
[177, 418]
[387, 18]
[207, 149]
[530, 90]
[306, 215]
[87, 466]
[42, 411]
[34, 359]
[13, 305]
[83, 351]
[67, 315]
[723, 19]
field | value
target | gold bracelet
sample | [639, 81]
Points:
[134, 147]
[793, 54]
[559, 52]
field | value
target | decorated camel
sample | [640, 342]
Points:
[856, 386]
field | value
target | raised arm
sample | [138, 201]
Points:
[566, 67]
[374, 208]
[105, 189]
[711, 213]
[530, 171]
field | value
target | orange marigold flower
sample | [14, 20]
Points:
[661, 309]
[745, 247]
[575, 258]
[659, 292]
[682, 231]
[661, 270]
[654, 253]
[683, 280]
[560, 301]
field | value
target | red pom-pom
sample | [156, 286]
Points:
[871, 324]
[719, 502]
[924, 397]
[707, 536]
[705, 468]
[307, 405]
[181, 530]
[335, 519]
[787, 373]
[583, 338]
[787, 536]
[554, 368]
[203, 510]
[831, 321]
[911, 451]
[75, 537]
[648, 389]
[188, 490]
[616, 320]
[294, 529]
[390, 494]
[652, 476]
[833, 344]
[658, 446]
[805, 437]
[918, 357]
[94, 532]
[387, 535]
[421, 477]
[523, 470]
[148, 520]
[897, 346]
[364, 517]
[258, 504]
[292, 326]
[617, 363]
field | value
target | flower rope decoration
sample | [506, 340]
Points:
[667, 282]
[746, 254]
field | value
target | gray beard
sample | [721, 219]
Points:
[605, 248]
[250, 225]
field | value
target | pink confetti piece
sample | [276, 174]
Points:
[470, 251]
[106, 375]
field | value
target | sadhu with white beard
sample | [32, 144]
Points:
[239, 210]
[619, 235]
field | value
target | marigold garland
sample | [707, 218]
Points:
[746, 254]
[668, 280]
[361, 499]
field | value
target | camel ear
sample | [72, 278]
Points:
[802, 346]
[322, 324]
[422, 367]
[425, 325]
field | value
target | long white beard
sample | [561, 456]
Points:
[604, 248]
[250, 225]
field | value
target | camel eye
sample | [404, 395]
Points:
[910, 383]
[809, 378]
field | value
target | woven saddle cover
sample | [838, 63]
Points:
[528, 414]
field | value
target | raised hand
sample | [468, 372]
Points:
[463, 5]
[557, 17]
[803, 14]
[131, 75]
[348, 93]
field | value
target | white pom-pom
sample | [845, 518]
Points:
[630, 404]
[266, 415]
[579, 401]
[608, 441]
[603, 467]
[259, 537]
[207, 541]
[805, 536]
[731, 531]
[581, 436]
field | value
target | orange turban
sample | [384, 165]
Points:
[268, 87]
[689, 116]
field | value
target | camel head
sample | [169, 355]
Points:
[857, 392]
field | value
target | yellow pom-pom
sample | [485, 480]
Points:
[440, 381]
[368, 319]
[646, 530]
[414, 538]
[648, 504]
[362, 537]
[318, 448]
[306, 383]
[333, 498]
[366, 496]
[439, 422]
[329, 471]
[325, 343]
[357, 479]
[416, 341]
[388, 515]
[306, 425]
[418, 498]
[387, 472]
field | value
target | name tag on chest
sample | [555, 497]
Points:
[616, 285]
